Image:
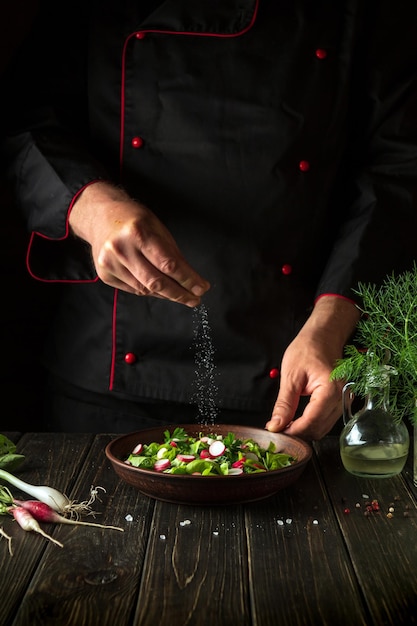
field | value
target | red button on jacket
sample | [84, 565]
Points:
[137, 142]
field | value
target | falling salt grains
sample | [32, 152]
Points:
[206, 388]
[129, 518]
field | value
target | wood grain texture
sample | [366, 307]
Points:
[52, 460]
[198, 557]
[311, 555]
[95, 579]
[300, 571]
[383, 548]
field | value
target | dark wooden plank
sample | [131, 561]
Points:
[383, 548]
[299, 568]
[94, 579]
[50, 460]
[196, 569]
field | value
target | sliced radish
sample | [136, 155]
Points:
[205, 454]
[217, 448]
[137, 449]
[238, 463]
[185, 458]
[161, 465]
[173, 444]
[235, 471]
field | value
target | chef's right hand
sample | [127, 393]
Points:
[131, 249]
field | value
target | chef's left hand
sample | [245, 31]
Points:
[306, 367]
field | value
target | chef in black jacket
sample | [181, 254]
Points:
[218, 171]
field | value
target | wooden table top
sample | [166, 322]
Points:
[311, 554]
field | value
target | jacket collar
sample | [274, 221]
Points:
[211, 17]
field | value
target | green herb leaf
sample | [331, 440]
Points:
[385, 337]
[10, 462]
[8, 459]
[6, 445]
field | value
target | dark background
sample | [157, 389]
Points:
[25, 304]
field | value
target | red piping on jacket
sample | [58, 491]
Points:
[166, 32]
[122, 135]
[334, 295]
[113, 341]
[36, 234]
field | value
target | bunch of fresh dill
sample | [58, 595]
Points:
[384, 348]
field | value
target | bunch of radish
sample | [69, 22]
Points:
[50, 506]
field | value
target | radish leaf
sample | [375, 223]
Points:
[8, 458]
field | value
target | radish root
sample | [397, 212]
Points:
[80, 523]
[44, 534]
[9, 540]
[76, 509]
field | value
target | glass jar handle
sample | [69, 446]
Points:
[347, 399]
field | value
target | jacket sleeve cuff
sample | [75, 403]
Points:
[334, 295]
[65, 259]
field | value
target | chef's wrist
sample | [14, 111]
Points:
[335, 315]
[87, 207]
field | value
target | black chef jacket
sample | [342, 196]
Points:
[276, 139]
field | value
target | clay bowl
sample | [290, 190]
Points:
[207, 490]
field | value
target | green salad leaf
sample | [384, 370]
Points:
[9, 460]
